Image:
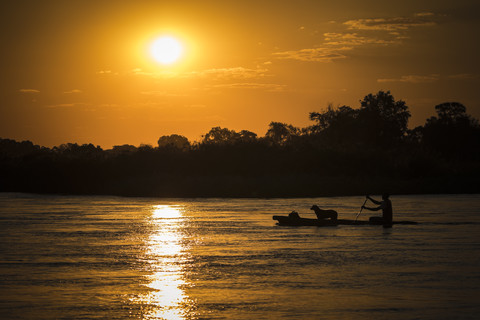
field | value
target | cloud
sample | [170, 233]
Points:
[272, 87]
[353, 39]
[233, 73]
[73, 91]
[109, 105]
[423, 19]
[320, 54]
[335, 47]
[29, 91]
[67, 105]
[336, 44]
[429, 78]
[424, 14]
[462, 76]
[412, 79]
[229, 73]
[140, 72]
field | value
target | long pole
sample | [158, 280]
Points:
[361, 208]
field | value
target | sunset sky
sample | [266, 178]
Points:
[82, 71]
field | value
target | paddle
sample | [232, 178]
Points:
[361, 208]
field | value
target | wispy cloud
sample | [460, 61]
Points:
[107, 72]
[67, 105]
[337, 44]
[412, 79]
[211, 77]
[424, 14]
[423, 19]
[230, 73]
[234, 73]
[321, 54]
[429, 78]
[353, 39]
[157, 75]
[463, 76]
[29, 91]
[73, 91]
[272, 87]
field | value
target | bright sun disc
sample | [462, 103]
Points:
[166, 50]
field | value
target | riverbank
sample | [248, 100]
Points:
[287, 186]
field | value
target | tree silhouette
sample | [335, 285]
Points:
[332, 117]
[453, 133]
[380, 121]
[450, 111]
[220, 136]
[124, 149]
[280, 133]
[385, 121]
[13, 148]
[174, 141]
[332, 157]
[247, 136]
[336, 126]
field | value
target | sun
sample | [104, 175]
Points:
[166, 50]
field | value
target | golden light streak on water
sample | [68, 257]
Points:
[165, 253]
[166, 211]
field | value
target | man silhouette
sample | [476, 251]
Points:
[387, 210]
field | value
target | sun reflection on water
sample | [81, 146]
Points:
[166, 253]
[166, 212]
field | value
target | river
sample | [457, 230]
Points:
[100, 257]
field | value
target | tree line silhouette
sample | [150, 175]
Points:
[345, 151]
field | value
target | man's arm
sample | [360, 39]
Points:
[372, 209]
[373, 200]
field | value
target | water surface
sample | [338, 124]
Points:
[66, 257]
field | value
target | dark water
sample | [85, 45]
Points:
[118, 258]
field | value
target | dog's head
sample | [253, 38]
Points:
[314, 207]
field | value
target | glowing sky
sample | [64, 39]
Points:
[81, 71]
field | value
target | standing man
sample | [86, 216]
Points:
[386, 206]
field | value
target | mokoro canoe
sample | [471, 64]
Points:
[291, 221]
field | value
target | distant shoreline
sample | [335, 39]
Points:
[161, 197]
[346, 152]
[404, 187]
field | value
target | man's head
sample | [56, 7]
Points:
[385, 196]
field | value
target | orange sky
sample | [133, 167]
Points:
[80, 71]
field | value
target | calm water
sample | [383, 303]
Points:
[65, 257]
